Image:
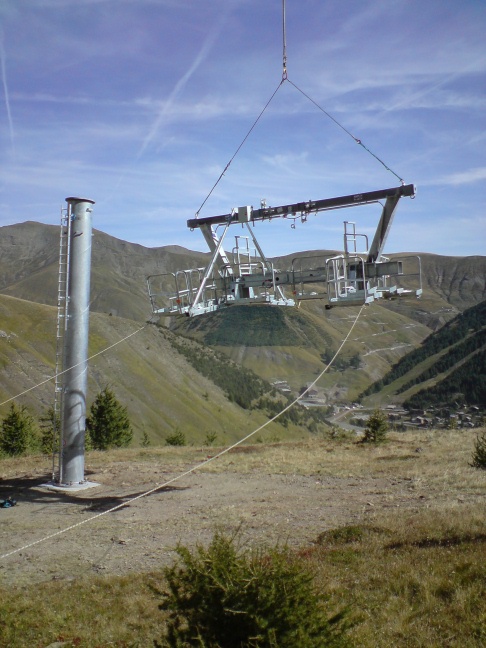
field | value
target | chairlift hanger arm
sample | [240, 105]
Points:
[308, 206]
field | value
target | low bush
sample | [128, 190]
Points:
[222, 597]
[376, 427]
[177, 438]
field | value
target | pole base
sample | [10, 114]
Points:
[55, 486]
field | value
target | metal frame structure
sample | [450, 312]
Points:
[243, 277]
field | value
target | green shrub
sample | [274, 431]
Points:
[177, 438]
[221, 597]
[145, 440]
[479, 455]
[50, 427]
[211, 437]
[376, 427]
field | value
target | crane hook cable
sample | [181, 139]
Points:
[284, 43]
[239, 147]
[158, 487]
[285, 78]
[356, 139]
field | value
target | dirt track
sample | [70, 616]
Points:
[270, 506]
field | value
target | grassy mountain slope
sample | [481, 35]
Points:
[277, 343]
[29, 257]
[29, 266]
[161, 389]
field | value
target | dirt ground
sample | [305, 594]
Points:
[272, 499]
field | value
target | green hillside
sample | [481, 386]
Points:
[278, 344]
[466, 384]
[294, 345]
[448, 364]
[160, 387]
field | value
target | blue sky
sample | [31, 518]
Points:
[140, 104]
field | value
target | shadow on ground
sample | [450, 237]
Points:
[31, 490]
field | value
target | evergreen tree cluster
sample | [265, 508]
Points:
[254, 326]
[240, 385]
[107, 426]
[468, 381]
[449, 359]
[341, 362]
[465, 331]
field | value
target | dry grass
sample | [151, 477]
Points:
[412, 581]
[436, 456]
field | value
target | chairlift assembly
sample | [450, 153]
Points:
[246, 276]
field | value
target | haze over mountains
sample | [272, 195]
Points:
[160, 387]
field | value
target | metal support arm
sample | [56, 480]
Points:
[308, 207]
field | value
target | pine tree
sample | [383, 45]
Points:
[17, 433]
[50, 426]
[108, 423]
[376, 427]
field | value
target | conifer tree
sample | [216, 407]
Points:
[50, 426]
[17, 433]
[108, 424]
[479, 455]
[376, 427]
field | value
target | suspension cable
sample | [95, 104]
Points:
[239, 148]
[158, 487]
[356, 139]
[284, 43]
[285, 78]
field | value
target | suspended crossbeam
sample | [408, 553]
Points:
[307, 207]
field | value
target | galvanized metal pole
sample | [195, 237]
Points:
[75, 380]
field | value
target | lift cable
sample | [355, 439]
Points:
[285, 78]
[74, 366]
[356, 139]
[192, 470]
[239, 147]
[284, 43]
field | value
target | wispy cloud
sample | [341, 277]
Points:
[182, 82]
[3, 68]
[464, 177]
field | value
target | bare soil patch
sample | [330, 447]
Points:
[281, 493]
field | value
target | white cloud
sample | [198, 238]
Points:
[3, 70]
[464, 177]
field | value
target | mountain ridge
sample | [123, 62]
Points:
[29, 254]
